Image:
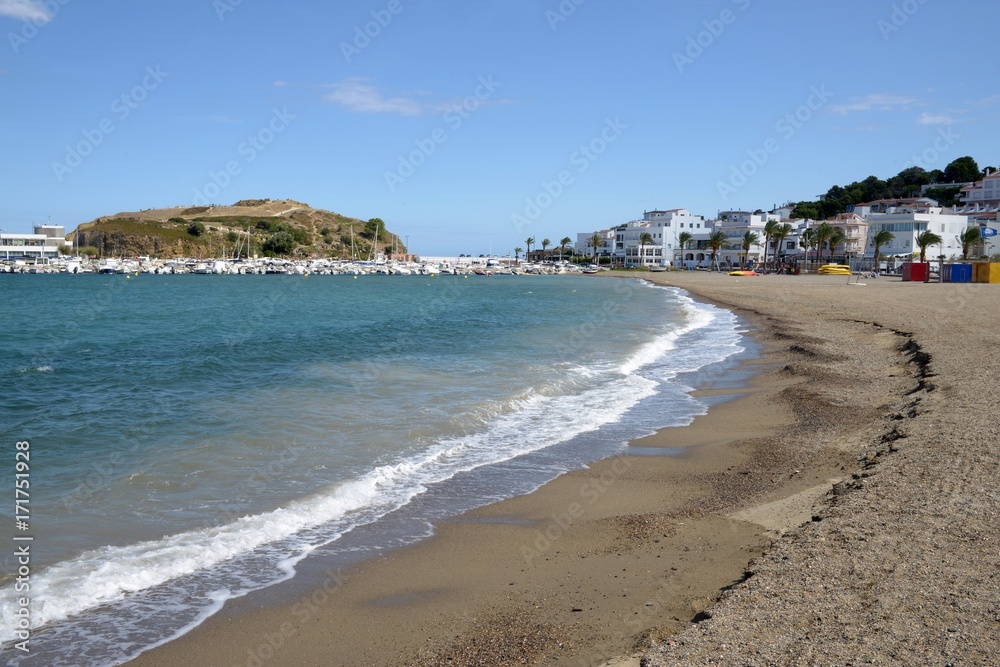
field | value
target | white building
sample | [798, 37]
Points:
[907, 221]
[984, 193]
[664, 228]
[605, 249]
[44, 243]
[736, 224]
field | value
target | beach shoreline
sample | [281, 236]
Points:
[627, 513]
[609, 561]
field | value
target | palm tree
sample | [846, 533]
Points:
[836, 238]
[562, 246]
[823, 233]
[807, 239]
[645, 238]
[595, 242]
[881, 238]
[924, 239]
[545, 244]
[749, 239]
[768, 235]
[969, 238]
[780, 233]
[717, 240]
[517, 251]
[683, 239]
[530, 241]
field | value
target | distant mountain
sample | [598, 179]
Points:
[282, 228]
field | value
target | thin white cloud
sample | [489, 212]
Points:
[935, 119]
[877, 102]
[361, 97]
[988, 102]
[25, 10]
[358, 95]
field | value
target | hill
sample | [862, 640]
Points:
[907, 183]
[280, 228]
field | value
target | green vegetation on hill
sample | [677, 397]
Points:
[282, 228]
[905, 184]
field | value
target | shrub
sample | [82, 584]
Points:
[281, 243]
[196, 229]
[269, 225]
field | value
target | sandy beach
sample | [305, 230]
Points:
[839, 509]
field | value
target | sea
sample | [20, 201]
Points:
[192, 439]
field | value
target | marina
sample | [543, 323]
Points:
[279, 266]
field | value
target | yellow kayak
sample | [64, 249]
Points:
[834, 270]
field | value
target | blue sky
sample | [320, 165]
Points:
[470, 126]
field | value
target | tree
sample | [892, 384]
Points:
[517, 251]
[545, 244]
[374, 228]
[807, 239]
[530, 241]
[970, 237]
[962, 170]
[907, 182]
[924, 240]
[595, 242]
[823, 234]
[717, 240]
[684, 238]
[768, 235]
[808, 210]
[565, 241]
[644, 239]
[749, 239]
[836, 238]
[281, 243]
[196, 229]
[881, 238]
[780, 233]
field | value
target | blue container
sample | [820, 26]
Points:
[960, 273]
[946, 272]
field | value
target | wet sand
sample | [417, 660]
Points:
[612, 560]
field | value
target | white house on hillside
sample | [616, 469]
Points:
[984, 193]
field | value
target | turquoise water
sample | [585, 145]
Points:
[194, 437]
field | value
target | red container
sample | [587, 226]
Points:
[916, 271]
